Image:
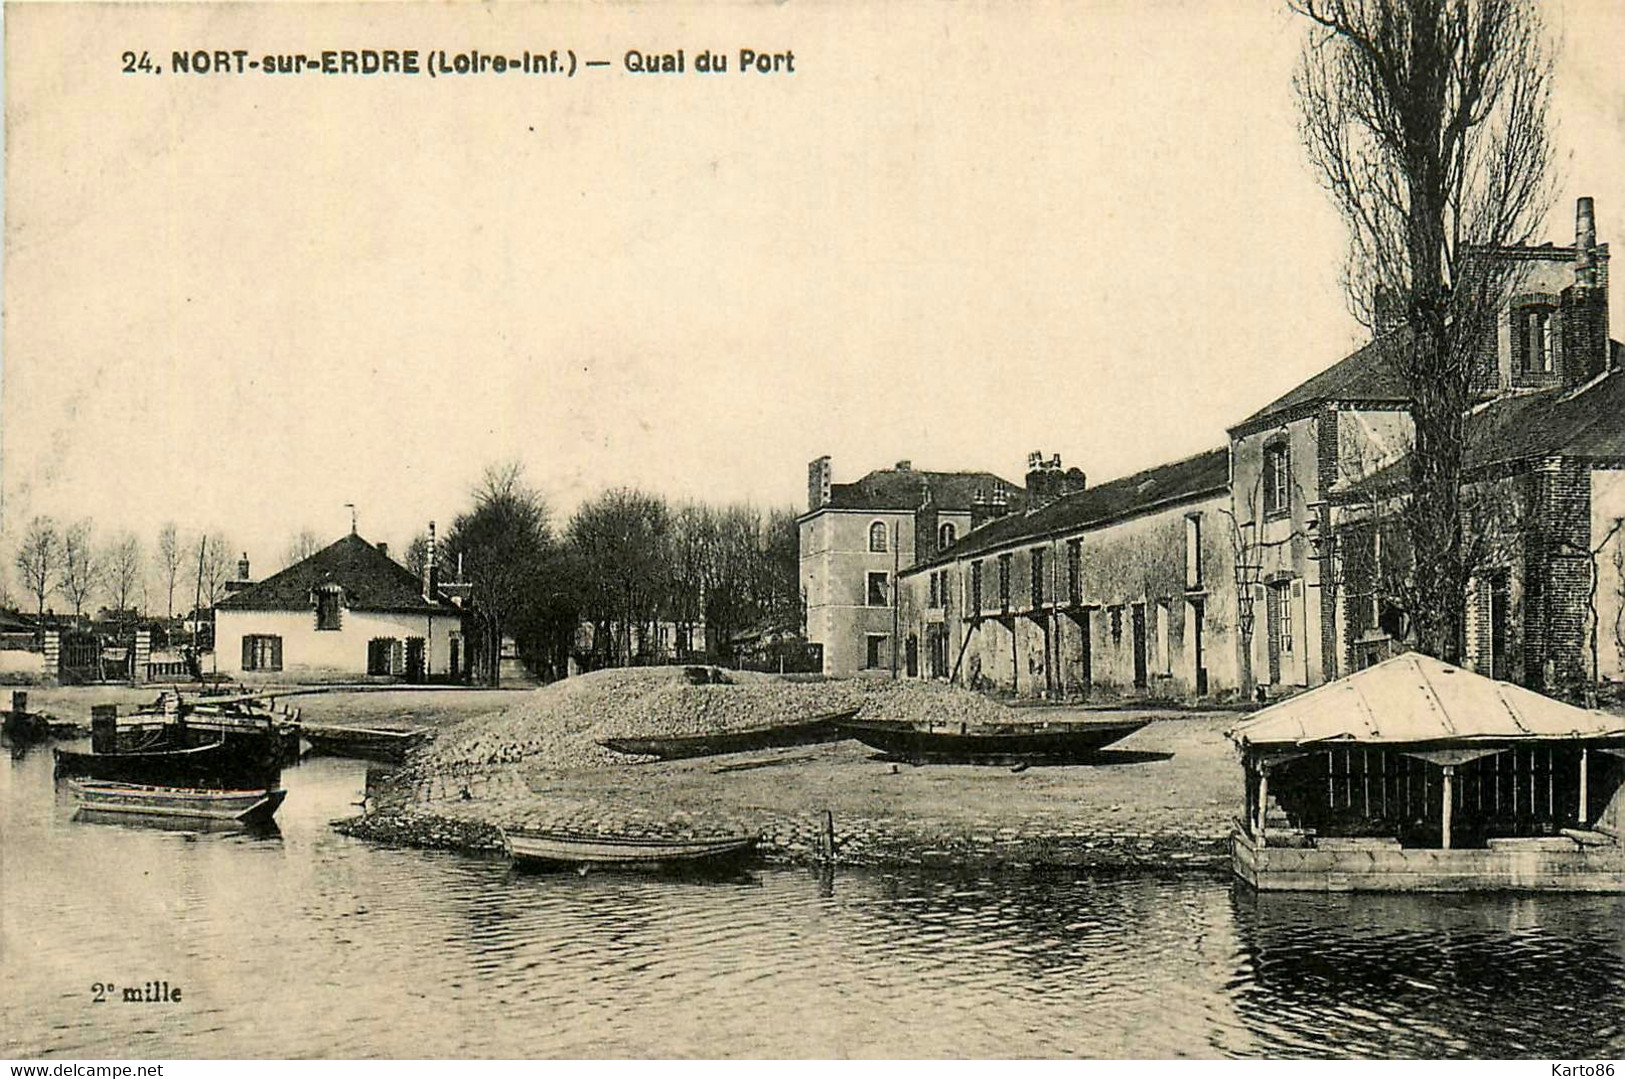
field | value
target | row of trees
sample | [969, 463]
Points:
[626, 563]
[71, 562]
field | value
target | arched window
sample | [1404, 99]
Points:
[877, 536]
[946, 536]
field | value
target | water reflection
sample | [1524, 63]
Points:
[311, 944]
[1472, 975]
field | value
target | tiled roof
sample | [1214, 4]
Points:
[371, 580]
[1589, 422]
[903, 489]
[1370, 375]
[1204, 474]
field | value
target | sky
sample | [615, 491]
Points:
[954, 235]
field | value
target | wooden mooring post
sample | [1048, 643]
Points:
[826, 838]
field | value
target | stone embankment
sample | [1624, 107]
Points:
[880, 843]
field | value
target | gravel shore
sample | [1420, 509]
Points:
[1160, 800]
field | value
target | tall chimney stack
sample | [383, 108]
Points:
[1585, 241]
[432, 570]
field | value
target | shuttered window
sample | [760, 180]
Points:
[262, 652]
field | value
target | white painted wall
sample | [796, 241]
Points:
[311, 653]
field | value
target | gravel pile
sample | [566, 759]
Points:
[933, 703]
[559, 725]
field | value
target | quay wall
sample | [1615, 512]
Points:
[858, 842]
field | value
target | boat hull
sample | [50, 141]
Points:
[826, 728]
[217, 765]
[560, 849]
[1037, 743]
[236, 806]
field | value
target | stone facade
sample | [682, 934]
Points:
[855, 538]
[1129, 588]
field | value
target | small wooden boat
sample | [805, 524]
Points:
[544, 849]
[242, 807]
[373, 743]
[992, 743]
[823, 728]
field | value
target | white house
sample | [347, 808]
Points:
[347, 612]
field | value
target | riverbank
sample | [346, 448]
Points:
[1160, 800]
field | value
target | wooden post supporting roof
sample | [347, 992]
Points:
[1263, 804]
[1585, 808]
[1449, 776]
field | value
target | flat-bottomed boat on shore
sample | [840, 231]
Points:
[823, 728]
[992, 743]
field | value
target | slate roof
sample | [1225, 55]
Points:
[1204, 474]
[903, 489]
[1371, 375]
[1562, 421]
[1416, 699]
[371, 580]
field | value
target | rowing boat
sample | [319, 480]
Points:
[243, 807]
[626, 852]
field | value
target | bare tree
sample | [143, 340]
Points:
[122, 562]
[1426, 122]
[213, 569]
[39, 560]
[304, 544]
[81, 565]
[168, 557]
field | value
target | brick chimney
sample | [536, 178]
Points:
[383, 548]
[242, 567]
[819, 473]
[1585, 305]
[1046, 481]
[925, 525]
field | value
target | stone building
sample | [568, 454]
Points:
[1127, 586]
[855, 537]
[345, 613]
[1319, 479]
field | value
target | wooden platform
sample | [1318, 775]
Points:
[1379, 865]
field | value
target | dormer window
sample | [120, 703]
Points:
[877, 537]
[946, 536]
[329, 604]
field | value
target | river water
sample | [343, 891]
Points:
[308, 944]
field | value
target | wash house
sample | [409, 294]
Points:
[1416, 775]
